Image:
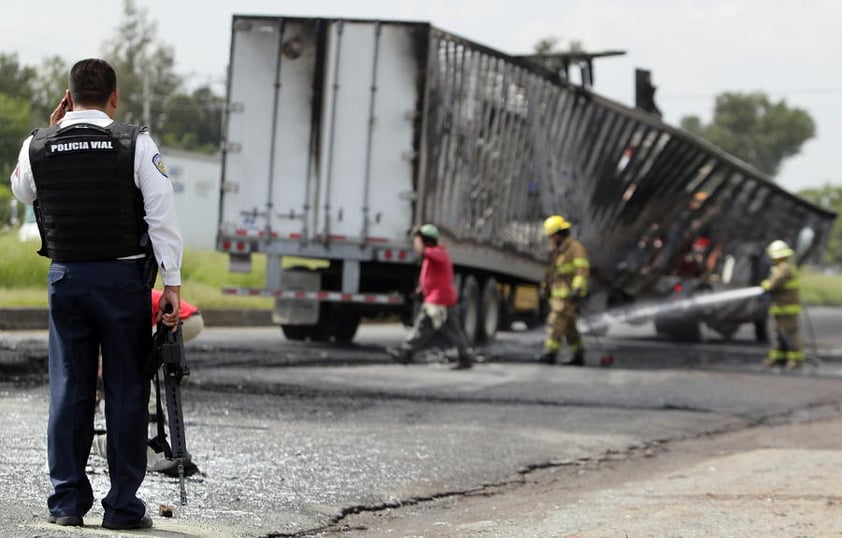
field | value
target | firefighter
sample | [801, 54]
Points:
[565, 286]
[782, 287]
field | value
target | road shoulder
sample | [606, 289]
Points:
[769, 480]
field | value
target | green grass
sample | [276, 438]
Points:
[23, 277]
[821, 289]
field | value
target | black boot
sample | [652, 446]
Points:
[467, 357]
[549, 357]
[463, 364]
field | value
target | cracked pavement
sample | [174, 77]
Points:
[296, 440]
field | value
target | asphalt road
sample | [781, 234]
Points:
[292, 438]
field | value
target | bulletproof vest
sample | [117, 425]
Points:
[88, 206]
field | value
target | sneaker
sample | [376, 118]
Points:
[157, 462]
[143, 523]
[66, 521]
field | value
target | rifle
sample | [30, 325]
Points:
[169, 348]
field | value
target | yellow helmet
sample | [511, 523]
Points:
[555, 224]
[778, 250]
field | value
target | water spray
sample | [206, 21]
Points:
[812, 333]
[605, 359]
[690, 304]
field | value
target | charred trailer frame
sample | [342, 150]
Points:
[342, 134]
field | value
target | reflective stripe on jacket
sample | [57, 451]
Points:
[568, 268]
[783, 285]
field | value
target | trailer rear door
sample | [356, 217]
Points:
[320, 132]
[366, 180]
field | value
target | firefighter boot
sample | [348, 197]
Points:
[794, 364]
[548, 357]
[773, 362]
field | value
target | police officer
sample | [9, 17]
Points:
[782, 285]
[565, 285]
[101, 195]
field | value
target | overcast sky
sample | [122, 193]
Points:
[695, 49]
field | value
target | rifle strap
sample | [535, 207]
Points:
[161, 438]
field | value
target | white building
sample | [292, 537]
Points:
[195, 178]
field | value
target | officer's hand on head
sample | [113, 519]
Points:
[171, 296]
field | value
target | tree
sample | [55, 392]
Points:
[548, 52]
[151, 92]
[15, 118]
[755, 129]
[48, 88]
[552, 45]
[830, 197]
[145, 69]
[149, 95]
[16, 80]
[194, 122]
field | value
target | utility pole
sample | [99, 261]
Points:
[147, 98]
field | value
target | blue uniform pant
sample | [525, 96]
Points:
[98, 306]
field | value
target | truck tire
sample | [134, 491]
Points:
[320, 332]
[490, 309]
[295, 332]
[470, 303]
[344, 324]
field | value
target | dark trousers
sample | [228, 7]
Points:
[424, 330]
[97, 306]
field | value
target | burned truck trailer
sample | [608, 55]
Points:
[341, 135]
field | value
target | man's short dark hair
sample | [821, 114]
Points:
[92, 82]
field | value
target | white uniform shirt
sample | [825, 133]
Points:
[158, 200]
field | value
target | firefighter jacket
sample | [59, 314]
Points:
[567, 271]
[88, 206]
[783, 285]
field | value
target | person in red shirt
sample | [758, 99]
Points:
[439, 312]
